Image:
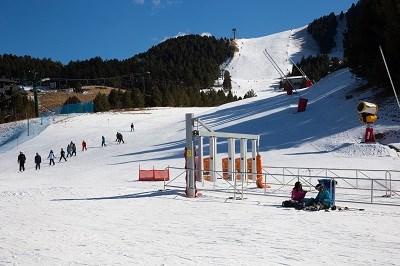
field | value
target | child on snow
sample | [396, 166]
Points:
[297, 198]
[51, 157]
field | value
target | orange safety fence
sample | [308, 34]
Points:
[206, 167]
[259, 181]
[154, 175]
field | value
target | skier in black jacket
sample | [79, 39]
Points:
[38, 160]
[21, 161]
[62, 155]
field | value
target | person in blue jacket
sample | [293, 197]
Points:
[323, 198]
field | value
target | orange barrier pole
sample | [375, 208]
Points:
[259, 182]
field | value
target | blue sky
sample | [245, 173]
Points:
[67, 30]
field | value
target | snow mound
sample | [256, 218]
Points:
[364, 150]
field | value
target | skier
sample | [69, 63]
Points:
[84, 146]
[21, 161]
[121, 138]
[132, 127]
[69, 150]
[73, 149]
[38, 160]
[51, 157]
[117, 137]
[62, 155]
[103, 141]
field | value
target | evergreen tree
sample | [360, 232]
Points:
[227, 84]
[72, 100]
[371, 23]
[101, 103]
[157, 98]
[324, 31]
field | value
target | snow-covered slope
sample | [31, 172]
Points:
[250, 69]
[91, 210]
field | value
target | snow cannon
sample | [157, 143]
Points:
[368, 115]
[368, 112]
[367, 107]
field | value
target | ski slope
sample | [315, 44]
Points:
[251, 70]
[91, 210]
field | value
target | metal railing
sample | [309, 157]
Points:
[353, 185]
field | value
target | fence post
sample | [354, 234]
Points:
[356, 178]
[372, 190]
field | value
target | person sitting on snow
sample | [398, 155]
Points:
[323, 199]
[297, 199]
[298, 193]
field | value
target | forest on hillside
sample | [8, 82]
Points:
[324, 30]
[374, 23]
[176, 72]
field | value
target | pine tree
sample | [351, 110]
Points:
[227, 84]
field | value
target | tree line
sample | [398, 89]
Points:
[317, 67]
[173, 73]
[124, 99]
[371, 23]
[324, 30]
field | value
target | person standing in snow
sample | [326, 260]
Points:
[73, 149]
[103, 141]
[51, 157]
[117, 137]
[84, 145]
[132, 127]
[62, 155]
[38, 160]
[21, 161]
[69, 150]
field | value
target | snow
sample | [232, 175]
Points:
[91, 210]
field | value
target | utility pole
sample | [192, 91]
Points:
[234, 33]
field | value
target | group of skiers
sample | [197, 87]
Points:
[71, 151]
[119, 138]
[321, 202]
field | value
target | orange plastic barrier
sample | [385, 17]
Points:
[154, 175]
[206, 167]
[225, 169]
[260, 182]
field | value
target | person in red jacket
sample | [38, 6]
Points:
[297, 199]
[298, 193]
[84, 146]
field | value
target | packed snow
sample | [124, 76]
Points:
[91, 210]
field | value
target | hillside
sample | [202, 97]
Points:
[262, 77]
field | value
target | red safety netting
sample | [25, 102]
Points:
[154, 175]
